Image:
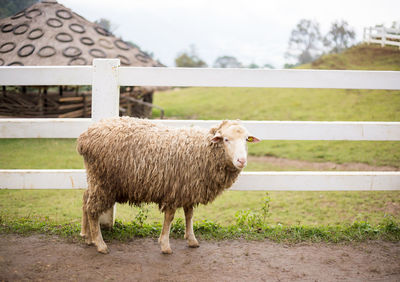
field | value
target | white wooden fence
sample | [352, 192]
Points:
[382, 35]
[106, 76]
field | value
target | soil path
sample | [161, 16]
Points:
[51, 259]
[305, 165]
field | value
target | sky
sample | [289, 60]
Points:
[253, 31]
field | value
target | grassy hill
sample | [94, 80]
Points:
[360, 57]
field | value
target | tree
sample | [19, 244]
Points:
[189, 59]
[227, 62]
[339, 37]
[253, 66]
[268, 66]
[305, 42]
[106, 24]
[9, 8]
[289, 66]
[396, 24]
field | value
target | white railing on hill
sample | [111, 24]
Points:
[382, 35]
[106, 76]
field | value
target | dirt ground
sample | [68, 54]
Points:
[44, 258]
[306, 165]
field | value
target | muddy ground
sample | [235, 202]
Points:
[51, 258]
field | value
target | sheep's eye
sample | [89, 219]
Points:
[249, 139]
[226, 139]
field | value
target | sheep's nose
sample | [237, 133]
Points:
[242, 161]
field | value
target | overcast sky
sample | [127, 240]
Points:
[251, 30]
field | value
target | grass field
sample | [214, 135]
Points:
[295, 104]
[285, 208]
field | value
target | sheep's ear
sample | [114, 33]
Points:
[217, 137]
[252, 139]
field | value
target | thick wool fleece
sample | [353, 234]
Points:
[136, 161]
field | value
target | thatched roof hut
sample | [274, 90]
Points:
[48, 33]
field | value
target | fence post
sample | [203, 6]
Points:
[370, 35]
[105, 88]
[383, 38]
[105, 104]
[365, 34]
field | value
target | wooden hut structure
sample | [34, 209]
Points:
[48, 33]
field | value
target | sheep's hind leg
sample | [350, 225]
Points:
[189, 234]
[85, 231]
[96, 234]
[93, 210]
[164, 237]
[85, 228]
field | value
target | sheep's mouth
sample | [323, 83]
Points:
[240, 166]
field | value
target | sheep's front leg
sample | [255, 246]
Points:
[164, 237]
[189, 234]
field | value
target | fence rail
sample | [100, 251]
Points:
[254, 181]
[382, 35]
[265, 130]
[106, 76]
[206, 77]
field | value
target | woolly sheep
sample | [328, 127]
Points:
[136, 161]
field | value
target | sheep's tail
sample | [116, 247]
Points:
[80, 144]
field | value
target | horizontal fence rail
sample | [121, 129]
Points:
[248, 181]
[265, 130]
[46, 75]
[207, 77]
[106, 76]
[212, 77]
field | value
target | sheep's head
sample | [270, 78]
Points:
[233, 136]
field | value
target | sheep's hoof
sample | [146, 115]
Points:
[89, 242]
[103, 250]
[193, 243]
[166, 251]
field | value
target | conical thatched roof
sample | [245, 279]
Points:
[48, 33]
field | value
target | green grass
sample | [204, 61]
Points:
[279, 216]
[377, 153]
[39, 154]
[280, 104]
[295, 104]
[358, 231]
[61, 153]
[286, 208]
[360, 57]
[304, 105]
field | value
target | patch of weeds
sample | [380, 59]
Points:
[254, 219]
[178, 228]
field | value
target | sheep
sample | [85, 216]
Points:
[136, 161]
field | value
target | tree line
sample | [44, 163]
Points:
[190, 59]
[306, 43]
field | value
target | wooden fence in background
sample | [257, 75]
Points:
[382, 35]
